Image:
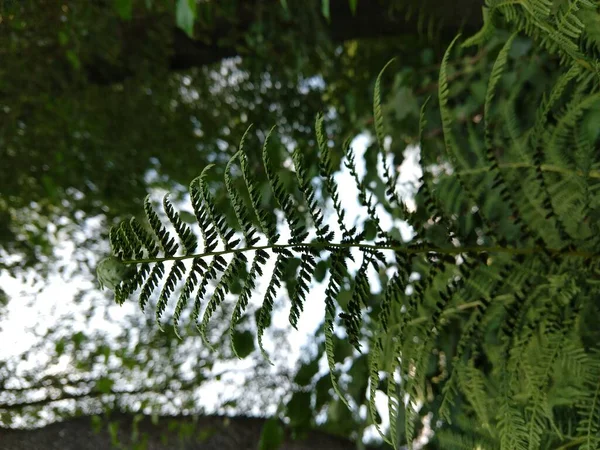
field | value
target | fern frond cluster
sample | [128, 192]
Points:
[559, 26]
[521, 281]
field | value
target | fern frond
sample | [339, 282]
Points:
[558, 29]
[267, 223]
[250, 233]
[377, 108]
[375, 355]
[389, 175]
[364, 197]
[485, 33]
[168, 244]
[326, 170]
[307, 267]
[360, 294]
[451, 145]
[322, 229]
[229, 275]
[195, 273]
[183, 231]
[264, 318]
[215, 219]
[500, 182]
[456, 441]
[589, 409]
[561, 134]
[505, 251]
[151, 283]
[216, 265]
[284, 200]
[259, 260]
[497, 71]
[511, 426]
[175, 275]
[250, 238]
[393, 392]
[209, 234]
[331, 293]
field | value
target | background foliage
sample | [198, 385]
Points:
[107, 102]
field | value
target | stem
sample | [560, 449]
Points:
[573, 443]
[445, 313]
[421, 319]
[524, 165]
[382, 246]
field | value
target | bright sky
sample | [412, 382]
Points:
[55, 299]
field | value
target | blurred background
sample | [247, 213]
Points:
[104, 102]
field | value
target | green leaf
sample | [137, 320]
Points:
[340, 418]
[307, 372]
[478, 89]
[405, 103]
[78, 339]
[105, 351]
[271, 436]
[344, 298]
[520, 47]
[292, 268]
[236, 287]
[187, 217]
[360, 378]
[321, 270]
[113, 431]
[427, 56]
[322, 388]
[400, 421]
[186, 15]
[244, 343]
[4, 299]
[124, 8]
[299, 410]
[325, 9]
[342, 349]
[104, 385]
[6, 418]
[73, 59]
[63, 38]
[370, 230]
[60, 347]
[206, 433]
[96, 424]
[353, 4]
[257, 316]
[590, 123]
[284, 5]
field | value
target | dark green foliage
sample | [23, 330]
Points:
[272, 435]
[506, 248]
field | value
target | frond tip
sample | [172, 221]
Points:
[111, 271]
